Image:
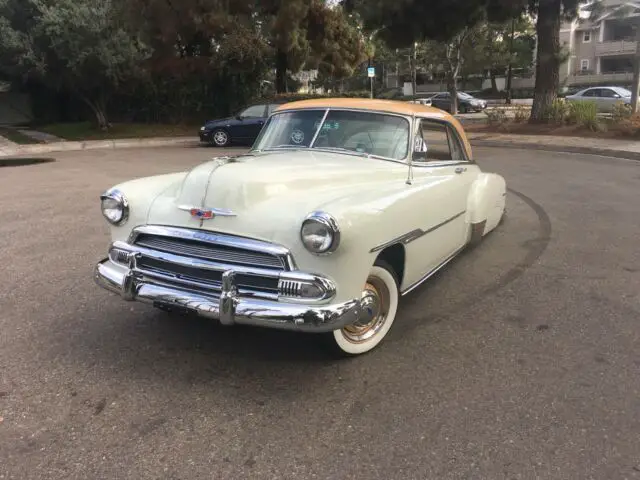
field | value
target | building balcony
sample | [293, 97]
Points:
[621, 47]
[600, 79]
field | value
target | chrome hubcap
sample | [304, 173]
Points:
[220, 138]
[375, 309]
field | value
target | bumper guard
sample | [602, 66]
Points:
[227, 307]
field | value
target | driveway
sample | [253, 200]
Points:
[520, 360]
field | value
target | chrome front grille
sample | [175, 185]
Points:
[224, 254]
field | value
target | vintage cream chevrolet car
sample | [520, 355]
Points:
[340, 207]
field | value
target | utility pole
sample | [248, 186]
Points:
[510, 67]
[414, 69]
[635, 91]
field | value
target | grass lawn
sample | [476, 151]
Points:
[87, 131]
[16, 137]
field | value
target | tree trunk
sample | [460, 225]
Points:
[98, 111]
[547, 61]
[453, 91]
[635, 90]
[281, 71]
[494, 83]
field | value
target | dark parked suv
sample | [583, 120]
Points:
[242, 128]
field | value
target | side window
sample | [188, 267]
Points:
[436, 142]
[607, 93]
[255, 111]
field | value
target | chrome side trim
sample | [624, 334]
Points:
[216, 239]
[415, 285]
[414, 234]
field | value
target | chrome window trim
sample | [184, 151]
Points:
[440, 163]
[215, 238]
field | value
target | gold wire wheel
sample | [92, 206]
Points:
[375, 310]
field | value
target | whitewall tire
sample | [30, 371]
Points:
[380, 304]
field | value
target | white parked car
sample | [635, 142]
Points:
[605, 98]
[340, 208]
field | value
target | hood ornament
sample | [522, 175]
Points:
[204, 213]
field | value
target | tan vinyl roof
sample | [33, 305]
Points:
[391, 106]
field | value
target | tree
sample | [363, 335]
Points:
[550, 14]
[598, 13]
[309, 32]
[77, 45]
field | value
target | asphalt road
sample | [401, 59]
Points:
[521, 360]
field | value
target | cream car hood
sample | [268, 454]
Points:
[270, 191]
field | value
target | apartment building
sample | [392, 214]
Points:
[601, 49]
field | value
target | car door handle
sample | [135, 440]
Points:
[460, 170]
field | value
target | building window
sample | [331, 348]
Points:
[586, 36]
[584, 65]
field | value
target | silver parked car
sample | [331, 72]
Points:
[604, 97]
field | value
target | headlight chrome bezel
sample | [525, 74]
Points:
[118, 196]
[327, 221]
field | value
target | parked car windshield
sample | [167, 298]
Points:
[371, 133]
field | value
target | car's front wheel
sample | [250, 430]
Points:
[379, 306]
[220, 138]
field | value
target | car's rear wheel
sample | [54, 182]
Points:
[380, 297]
[220, 138]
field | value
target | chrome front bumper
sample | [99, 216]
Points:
[227, 307]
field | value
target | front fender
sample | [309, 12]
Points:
[141, 194]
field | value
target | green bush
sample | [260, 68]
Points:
[522, 114]
[496, 116]
[557, 112]
[584, 114]
[621, 112]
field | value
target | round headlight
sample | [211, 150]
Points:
[320, 233]
[115, 207]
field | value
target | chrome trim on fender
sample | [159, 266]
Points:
[414, 234]
[228, 306]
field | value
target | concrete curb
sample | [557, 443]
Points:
[19, 150]
[40, 148]
[605, 152]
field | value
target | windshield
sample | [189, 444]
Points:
[371, 133]
[464, 95]
[623, 92]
